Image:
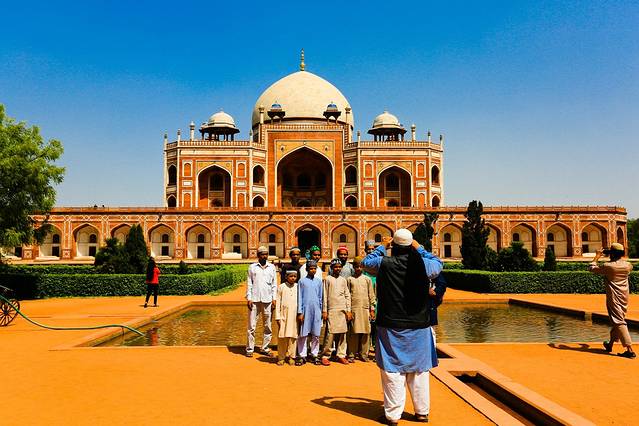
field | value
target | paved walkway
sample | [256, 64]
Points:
[194, 385]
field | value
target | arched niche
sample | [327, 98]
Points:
[258, 175]
[172, 175]
[394, 188]
[272, 237]
[121, 232]
[350, 176]
[494, 238]
[305, 179]
[434, 175]
[162, 240]
[171, 202]
[344, 235]
[198, 242]
[214, 185]
[86, 239]
[526, 235]
[559, 239]
[593, 237]
[51, 246]
[235, 243]
[258, 201]
[350, 201]
[378, 232]
[450, 240]
[435, 201]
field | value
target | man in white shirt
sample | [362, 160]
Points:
[261, 292]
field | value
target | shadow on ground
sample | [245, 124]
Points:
[361, 407]
[582, 347]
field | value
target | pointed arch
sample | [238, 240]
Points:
[171, 201]
[51, 245]
[434, 175]
[235, 239]
[308, 235]
[86, 238]
[450, 240]
[527, 235]
[172, 175]
[344, 235]
[394, 187]
[350, 201]
[162, 240]
[597, 237]
[258, 175]
[198, 242]
[121, 232]
[559, 239]
[273, 237]
[435, 202]
[378, 232]
[258, 201]
[350, 175]
[494, 238]
[214, 187]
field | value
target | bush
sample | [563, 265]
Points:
[531, 282]
[37, 286]
[516, 258]
[550, 261]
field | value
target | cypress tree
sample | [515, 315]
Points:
[425, 231]
[474, 249]
[550, 261]
[135, 249]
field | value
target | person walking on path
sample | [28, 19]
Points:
[615, 275]
[261, 293]
[152, 282]
[286, 317]
[363, 307]
[405, 348]
[309, 314]
[294, 254]
[336, 311]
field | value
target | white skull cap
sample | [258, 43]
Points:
[403, 237]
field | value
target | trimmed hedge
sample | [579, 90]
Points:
[38, 286]
[531, 282]
[165, 269]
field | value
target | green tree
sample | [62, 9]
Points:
[183, 268]
[425, 231]
[135, 249]
[550, 261]
[633, 238]
[111, 258]
[516, 258]
[27, 179]
[474, 249]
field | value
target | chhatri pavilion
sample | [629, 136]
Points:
[305, 177]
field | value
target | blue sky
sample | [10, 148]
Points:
[538, 101]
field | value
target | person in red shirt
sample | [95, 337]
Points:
[152, 282]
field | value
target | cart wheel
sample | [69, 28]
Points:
[7, 312]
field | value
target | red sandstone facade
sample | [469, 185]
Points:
[303, 178]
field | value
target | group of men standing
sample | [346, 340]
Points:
[402, 305]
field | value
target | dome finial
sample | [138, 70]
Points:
[302, 64]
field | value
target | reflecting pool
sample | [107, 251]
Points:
[225, 325]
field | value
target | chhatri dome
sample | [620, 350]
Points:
[302, 95]
[386, 119]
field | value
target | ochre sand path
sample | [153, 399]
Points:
[216, 386]
[161, 385]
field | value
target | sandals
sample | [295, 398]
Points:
[317, 361]
[299, 361]
[628, 354]
[422, 418]
[280, 362]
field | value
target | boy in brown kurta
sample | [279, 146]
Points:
[615, 275]
[286, 317]
[336, 311]
[363, 307]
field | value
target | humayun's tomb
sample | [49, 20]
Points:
[304, 177]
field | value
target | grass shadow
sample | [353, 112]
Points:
[583, 347]
[365, 408]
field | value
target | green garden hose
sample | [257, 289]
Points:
[68, 328]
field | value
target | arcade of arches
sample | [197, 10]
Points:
[236, 235]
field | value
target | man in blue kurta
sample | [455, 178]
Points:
[309, 313]
[405, 349]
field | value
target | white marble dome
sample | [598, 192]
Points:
[221, 119]
[303, 95]
[386, 120]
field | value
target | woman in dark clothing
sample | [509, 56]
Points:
[152, 282]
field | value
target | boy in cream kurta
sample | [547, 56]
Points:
[336, 311]
[363, 307]
[286, 317]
